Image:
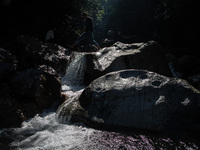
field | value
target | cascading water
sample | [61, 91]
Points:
[46, 132]
[75, 73]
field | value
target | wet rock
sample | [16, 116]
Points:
[142, 99]
[71, 110]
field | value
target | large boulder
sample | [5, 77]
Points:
[40, 84]
[139, 99]
[149, 56]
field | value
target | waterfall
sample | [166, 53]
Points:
[72, 86]
[75, 73]
[64, 113]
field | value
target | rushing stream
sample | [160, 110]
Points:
[46, 132]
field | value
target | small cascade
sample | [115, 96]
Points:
[72, 86]
[75, 73]
[64, 114]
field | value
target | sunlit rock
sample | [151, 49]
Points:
[141, 99]
[120, 56]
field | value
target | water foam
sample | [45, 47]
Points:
[46, 132]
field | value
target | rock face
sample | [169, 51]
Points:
[40, 85]
[141, 99]
[148, 56]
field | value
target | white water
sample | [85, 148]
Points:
[47, 132]
[75, 73]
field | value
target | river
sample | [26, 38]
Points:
[46, 131]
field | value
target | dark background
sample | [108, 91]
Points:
[172, 23]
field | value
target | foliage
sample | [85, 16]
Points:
[95, 8]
